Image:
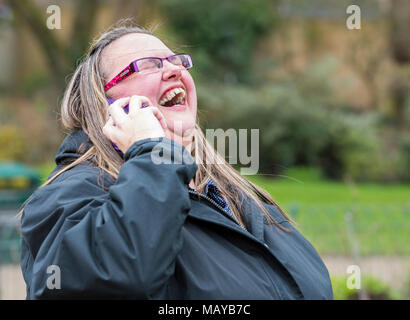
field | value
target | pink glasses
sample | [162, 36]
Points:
[150, 64]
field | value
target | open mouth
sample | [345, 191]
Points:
[173, 97]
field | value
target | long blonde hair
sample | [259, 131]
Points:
[84, 108]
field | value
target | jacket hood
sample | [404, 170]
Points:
[68, 150]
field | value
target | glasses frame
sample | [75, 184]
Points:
[133, 68]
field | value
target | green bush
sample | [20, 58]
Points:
[45, 169]
[13, 143]
[297, 126]
[222, 34]
[290, 133]
[353, 149]
[375, 289]
[301, 123]
[404, 144]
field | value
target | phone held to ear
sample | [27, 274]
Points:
[126, 109]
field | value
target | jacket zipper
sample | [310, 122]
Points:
[222, 210]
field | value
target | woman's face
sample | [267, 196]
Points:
[121, 52]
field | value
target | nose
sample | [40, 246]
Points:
[170, 71]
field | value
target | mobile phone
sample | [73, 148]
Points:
[126, 109]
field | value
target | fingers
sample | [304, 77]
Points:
[108, 128]
[136, 103]
[158, 114]
[110, 122]
[116, 110]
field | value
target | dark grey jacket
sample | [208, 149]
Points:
[145, 236]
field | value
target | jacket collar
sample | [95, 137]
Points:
[253, 219]
[69, 148]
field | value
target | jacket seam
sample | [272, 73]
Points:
[276, 289]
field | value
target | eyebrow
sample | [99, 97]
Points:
[133, 59]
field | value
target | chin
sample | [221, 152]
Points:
[181, 125]
[182, 135]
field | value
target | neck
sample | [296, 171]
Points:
[185, 140]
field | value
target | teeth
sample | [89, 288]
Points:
[172, 94]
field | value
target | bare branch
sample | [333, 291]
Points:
[84, 20]
[30, 14]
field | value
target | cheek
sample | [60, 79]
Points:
[147, 87]
[190, 86]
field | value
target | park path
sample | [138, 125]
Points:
[394, 271]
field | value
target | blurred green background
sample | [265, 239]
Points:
[331, 104]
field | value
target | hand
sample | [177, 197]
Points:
[140, 123]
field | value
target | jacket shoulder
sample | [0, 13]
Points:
[274, 213]
[71, 191]
[82, 172]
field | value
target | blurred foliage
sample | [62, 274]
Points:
[375, 289]
[302, 123]
[405, 158]
[33, 82]
[45, 169]
[252, 71]
[223, 34]
[13, 143]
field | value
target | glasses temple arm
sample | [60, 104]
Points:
[125, 73]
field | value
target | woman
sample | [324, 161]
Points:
[116, 221]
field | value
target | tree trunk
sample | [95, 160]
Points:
[400, 30]
[400, 46]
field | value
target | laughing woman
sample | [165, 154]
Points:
[116, 222]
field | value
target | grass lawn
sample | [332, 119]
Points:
[380, 213]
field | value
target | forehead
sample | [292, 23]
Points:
[118, 54]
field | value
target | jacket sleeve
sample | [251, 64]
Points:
[120, 243]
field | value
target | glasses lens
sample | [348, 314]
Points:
[149, 64]
[183, 60]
